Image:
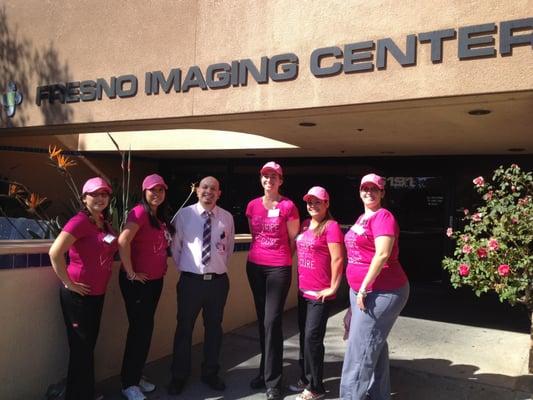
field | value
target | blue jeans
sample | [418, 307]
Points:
[365, 371]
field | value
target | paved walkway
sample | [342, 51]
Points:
[429, 361]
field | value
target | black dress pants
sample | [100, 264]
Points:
[82, 315]
[194, 295]
[141, 301]
[312, 320]
[270, 286]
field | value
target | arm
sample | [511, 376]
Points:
[337, 261]
[293, 227]
[177, 240]
[57, 258]
[383, 246]
[231, 240]
[124, 249]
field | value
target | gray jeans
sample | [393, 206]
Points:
[365, 371]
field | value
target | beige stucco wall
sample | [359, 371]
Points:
[33, 344]
[78, 40]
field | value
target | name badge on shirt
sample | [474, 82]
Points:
[273, 213]
[109, 238]
[358, 229]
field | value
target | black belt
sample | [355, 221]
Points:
[203, 277]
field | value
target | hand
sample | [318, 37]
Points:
[138, 276]
[346, 321]
[324, 294]
[361, 301]
[81, 288]
[141, 277]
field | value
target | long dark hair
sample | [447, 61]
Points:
[106, 214]
[321, 227]
[162, 214]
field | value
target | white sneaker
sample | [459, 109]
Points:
[309, 395]
[133, 393]
[298, 387]
[145, 386]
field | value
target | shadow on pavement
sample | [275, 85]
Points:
[454, 381]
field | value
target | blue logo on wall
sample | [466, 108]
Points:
[11, 99]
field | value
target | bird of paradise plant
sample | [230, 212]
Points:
[32, 203]
[62, 164]
[119, 212]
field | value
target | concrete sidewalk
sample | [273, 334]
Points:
[429, 361]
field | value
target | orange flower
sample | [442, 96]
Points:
[34, 201]
[63, 162]
[14, 190]
[53, 152]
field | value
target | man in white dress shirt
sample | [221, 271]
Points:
[201, 248]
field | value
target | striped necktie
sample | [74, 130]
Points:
[206, 242]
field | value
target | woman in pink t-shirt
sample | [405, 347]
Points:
[91, 244]
[320, 260]
[274, 223]
[143, 246]
[379, 291]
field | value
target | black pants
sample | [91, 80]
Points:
[141, 302]
[312, 320]
[270, 286]
[82, 316]
[194, 295]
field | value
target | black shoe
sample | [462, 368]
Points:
[214, 382]
[176, 386]
[273, 394]
[257, 383]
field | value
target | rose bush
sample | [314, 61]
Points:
[494, 249]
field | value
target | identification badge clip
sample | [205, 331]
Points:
[109, 238]
[273, 213]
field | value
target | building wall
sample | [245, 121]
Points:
[52, 42]
[34, 346]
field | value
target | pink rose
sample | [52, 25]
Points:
[466, 211]
[489, 195]
[477, 217]
[515, 166]
[493, 244]
[514, 220]
[482, 252]
[465, 238]
[464, 270]
[467, 249]
[479, 181]
[449, 232]
[523, 202]
[503, 270]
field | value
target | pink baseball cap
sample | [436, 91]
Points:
[272, 166]
[317, 191]
[95, 184]
[374, 179]
[151, 181]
